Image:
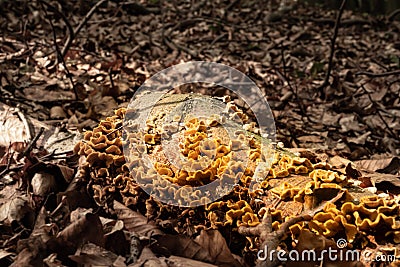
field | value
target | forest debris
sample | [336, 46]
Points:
[213, 242]
[91, 254]
[87, 229]
[385, 182]
[18, 209]
[271, 239]
[13, 129]
[136, 222]
[43, 184]
[389, 165]
[57, 112]
[33, 250]
[209, 247]
[129, 52]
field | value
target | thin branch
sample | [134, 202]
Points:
[59, 54]
[72, 36]
[33, 142]
[111, 78]
[9, 158]
[379, 114]
[295, 92]
[140, 9]
[392, 15]
[63, 17]
[7, 57]
[335, 33]
[377, 75]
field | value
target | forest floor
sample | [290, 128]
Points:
[48, 101]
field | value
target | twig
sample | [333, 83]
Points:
[71, 37]
[8, 164]
[28, 127]
[335, 33]
[53, 155]
[379, 114]
[7, 57]
[229, 7]
[377, 75]
[139, 8]
[182, 48]
[33, 142]
[392, 15]
[165, 34]
[285, 78]
[111, 78]
[343, 23]
[271, 239]
[59, 54]
[63, 17]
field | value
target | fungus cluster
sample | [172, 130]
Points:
[373, 215]
[205, 154]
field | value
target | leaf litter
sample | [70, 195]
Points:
[48, 217]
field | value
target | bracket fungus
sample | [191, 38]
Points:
[204, 153]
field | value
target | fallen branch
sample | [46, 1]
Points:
[62, 16]
[343, 23]
[335, 33]
[377, 75]
[7, 57]
[33, 143]
[59, 53]
[9, 159]
[139, 9]
[285, 78]
[271, 239]
[174, 46]
[393, 15]
[85, 19]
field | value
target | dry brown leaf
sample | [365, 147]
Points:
[311, 139]
[338, 162]
[386, 182]
[213, 242]
[33, 250]
[389, 165]
[57, 112]
[17, 208]
[352, 172]
[208, 247]
[12, 128]
[148, 259]
[183, 246]
[93, 255]
[185, 262]
[43, 183]
[87, 229]
[46, 93]
[5, 254]
[136, 222]
[52, 261]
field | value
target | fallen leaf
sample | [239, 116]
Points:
[136, 222]
[389, 165]
[213, 242]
